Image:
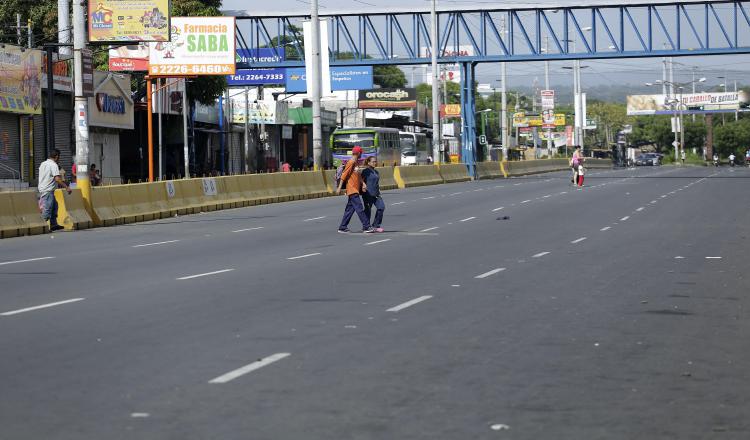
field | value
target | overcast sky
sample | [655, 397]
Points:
[635, 71]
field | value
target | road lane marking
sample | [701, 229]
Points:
[378, 241]
[190, 277]
[467, 219]
[640, 209]
[314, 218]
[664, 196]
[25, 261]
[540, 254]
[155, 244]
[480, 189]
[224, 378]
[516, 184]
[578, 240]
[713, 258]
[429, 229]
[654, 202]
[679, 257]
[547, 196]
[400, 307]
[497, 209]
[606, 228]
[625, 218]
[43, 306]
[428, 198]
[525, 201]
[397, 203]
[490, 273]
[303, 256]
[249, 229]
[455, 194]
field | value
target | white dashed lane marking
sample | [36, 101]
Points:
[303, 256]
[25, 261]
[216, 272]
[378, 241]
[578, 240]
[314, 218]
[397, 203]
[400, 307]
[640, 209]
[498, 209]
[490, 273]
[625, 218]
[155, 244]
[540, 254]
[467, 219]
[43, 306]
[525, 201]
[429, 229]
[224, 378]
[249, 229]
[713, 258]
[606, 228]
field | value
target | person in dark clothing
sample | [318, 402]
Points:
[371, 194]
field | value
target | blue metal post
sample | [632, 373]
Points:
[468, 129]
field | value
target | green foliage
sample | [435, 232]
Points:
[43, 14]
[424, 93]
[389, 76]
[732, 137]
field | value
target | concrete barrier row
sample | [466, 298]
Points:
[417, 175]
[490, 170]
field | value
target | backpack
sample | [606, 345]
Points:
[339, 172]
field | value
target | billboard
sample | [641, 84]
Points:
[450, 110]
[523, 120]
[128, 20]
[260, 112]
[258, 77]
[690, 103]
[21, 80]
[342, 78]
[199, 46]
[548, 99]
[388, 98]
[131, 58]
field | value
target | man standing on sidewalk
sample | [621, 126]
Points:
[353, 182]
[49, 179]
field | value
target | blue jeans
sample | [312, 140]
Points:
[379, 206]
[49, 208]
[354, 204]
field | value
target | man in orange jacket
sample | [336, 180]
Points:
[353, 182]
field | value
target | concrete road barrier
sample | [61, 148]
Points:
[489, 170]
[26, 210]
[454, 172]
[528, 167]
[329, 176]
[417, 175]
[71, 212]
[105, 213]
[9, 225]
[387, 179]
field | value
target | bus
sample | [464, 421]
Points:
[415, 148]
[383, 143]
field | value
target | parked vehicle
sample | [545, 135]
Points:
[648, 159]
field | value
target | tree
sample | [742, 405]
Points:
[389, 76]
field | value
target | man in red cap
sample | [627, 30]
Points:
[353, 182]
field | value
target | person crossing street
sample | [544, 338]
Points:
[353, 182]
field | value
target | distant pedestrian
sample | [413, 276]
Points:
[285, 167]
[95, 176]
[353, 182]
[682, 156]
[49, 180]
[371, 195]
[575, 162]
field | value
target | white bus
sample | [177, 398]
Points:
[415, 148]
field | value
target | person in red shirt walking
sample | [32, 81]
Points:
[353, 181]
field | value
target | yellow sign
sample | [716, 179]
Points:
[20, 80]
[128, 20]
[522, 120]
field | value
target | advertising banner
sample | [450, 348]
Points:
[450, 110]
[258, 77]
[689, 103]
[201, 46]
[523, 120]
[388, 98]
[131, 58]
[342, 78]
[112, 106]
[62, 73]
[261, 112]
[21, 80]
[128, 20]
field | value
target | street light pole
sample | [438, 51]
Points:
[81, 103]
[316, 85]
[436, 135]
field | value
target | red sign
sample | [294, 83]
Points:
[128, 64]
[450, 111]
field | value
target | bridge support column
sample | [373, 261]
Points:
[468, 122]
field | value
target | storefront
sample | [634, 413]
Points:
[110, 112]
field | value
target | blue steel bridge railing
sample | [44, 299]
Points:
[652, 29]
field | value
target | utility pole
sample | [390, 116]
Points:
[546, 87]
[63, 27]
[436, 135]
[693, 81]
[81, 103]
[504, 112]
[186, 146]
[159, 102]
[316, 86]
[19, 35]
[247, 128]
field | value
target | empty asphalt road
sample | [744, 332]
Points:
[507, 309]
